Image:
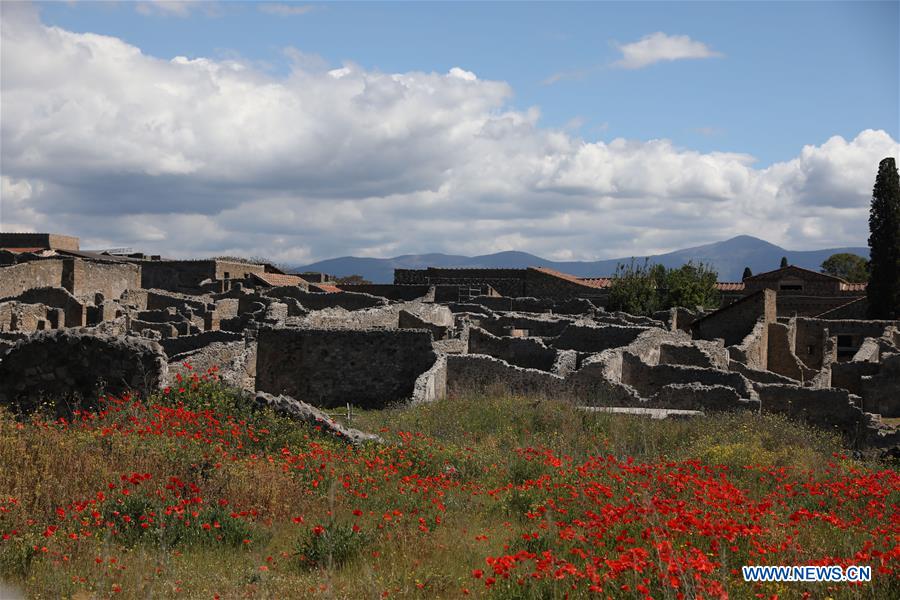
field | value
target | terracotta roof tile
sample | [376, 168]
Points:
[325, 287]
[277, 279]
[853, 287]
[730, 286]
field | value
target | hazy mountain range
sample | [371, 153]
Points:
[728, 257]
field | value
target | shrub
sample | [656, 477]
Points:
[331, 546]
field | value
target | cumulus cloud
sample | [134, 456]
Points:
[658, 47]
[194, 156]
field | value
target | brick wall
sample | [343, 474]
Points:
[734, 322]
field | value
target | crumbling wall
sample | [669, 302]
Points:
[320, 300]
[109, 279]
[189, 343]
[389, 290]
[649, 379]
[16, 279]
[781, 358]
[234, 363]
[697, 396]
[589, 338]
[74, 311]
[69, 369]
[432, 384]
[753, 349]
[881, 391]
[529, 353]
[535, 326]
[828, 408]
[733, 323]
[368, 368]
[699, 353]
[28, 318]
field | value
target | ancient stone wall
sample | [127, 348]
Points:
[649, 379]
[189, 343]
[781, 358]
[320, 300]
[333, 367]
[528, 353]
[388, 290]
[74, 311]
[709, 355]
[234, 361]
[16, 279]
[589, 338]
[69, 369]
[109, 279]
[734, 322]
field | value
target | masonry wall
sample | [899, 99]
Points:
[329, 368]
[585, 338]
[110, 279]
[812, 335]
[528, 353]
[387, 290]
[734, 322]
[15, 279]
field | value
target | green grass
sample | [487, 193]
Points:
[456, 483]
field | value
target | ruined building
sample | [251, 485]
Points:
[71, 320]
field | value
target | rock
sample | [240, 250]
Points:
[306, 413]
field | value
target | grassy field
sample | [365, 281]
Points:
[193, 494]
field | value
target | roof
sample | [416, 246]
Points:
[770, 274]
[22, 250]
[591, 283]
[853, 287]
[277, 279]
[598, 282]
[325, 287]
[730, 286]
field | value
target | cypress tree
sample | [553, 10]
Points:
[784, 262]
[747, 273]
[883, 290]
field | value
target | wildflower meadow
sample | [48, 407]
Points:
[195, 493]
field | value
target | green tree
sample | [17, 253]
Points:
[747, 273]
[635, 288]
[845, 265]
[642, 289]
[883, 290]
[691, 285]
[784, 262]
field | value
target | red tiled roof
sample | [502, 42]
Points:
[597, 282]
[853, 287]
[325, 287]
[21, 250]
[277, 279]
[730, 286]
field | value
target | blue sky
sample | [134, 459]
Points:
[300, 132]
[793, 73]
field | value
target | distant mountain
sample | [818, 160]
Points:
[729, 258]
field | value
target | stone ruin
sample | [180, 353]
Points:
[372, 346]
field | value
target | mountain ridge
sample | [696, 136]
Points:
[728, 257]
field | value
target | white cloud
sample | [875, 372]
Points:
[196, 156]
[169, 8]
[658, 47]
[286, 10]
